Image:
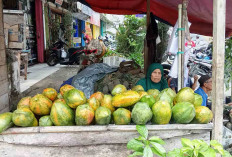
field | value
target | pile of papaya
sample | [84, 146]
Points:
[122, 107]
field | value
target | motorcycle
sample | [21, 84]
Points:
[200, 67]
[166, 68]
[59, 55]
[168, 57]
[204, 53]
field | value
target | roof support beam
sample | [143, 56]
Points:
[145, 43]
[219, 7]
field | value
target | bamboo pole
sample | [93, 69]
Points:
[183, 23]
[145, 43]
[219, 7]
[179, 47]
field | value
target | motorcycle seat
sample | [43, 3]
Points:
[74, 49]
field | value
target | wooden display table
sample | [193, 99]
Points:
[89, 141]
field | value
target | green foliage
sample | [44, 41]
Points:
[142, 146]
[137, 57]
[55, 28]
[110, 52]
[198, 148]
[67, 22]
[130, 38]
[55, 25]
[228, 62]
[146, 147]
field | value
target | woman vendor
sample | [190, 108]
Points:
[154, 78]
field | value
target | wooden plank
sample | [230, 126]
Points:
[4, 101]
[13, 11]
[16, 45]
[4, 98]
[3, 87]
[2, 57]
[163, 127]
[1, 19]
[114, 150]
[3, 72]
[98, 128]
[2, 43]
[91, 137]
[219, 7]
[55, 9]
[100, 150]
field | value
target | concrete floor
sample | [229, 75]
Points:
[41, 76]
[35, 74]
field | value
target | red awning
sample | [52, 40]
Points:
[200, 12]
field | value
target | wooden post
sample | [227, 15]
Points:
[4, 86]
[24, 31]
[145, 43]
[219, 7]
[148, 13]
[231, 91]
[183, 23]
[179, 46]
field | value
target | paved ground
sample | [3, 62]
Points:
[37, 73]
[41, 76]
[53, 78]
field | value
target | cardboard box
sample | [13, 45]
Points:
[16, 45]
[13, 37]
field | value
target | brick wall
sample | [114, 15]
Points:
[4, 85]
